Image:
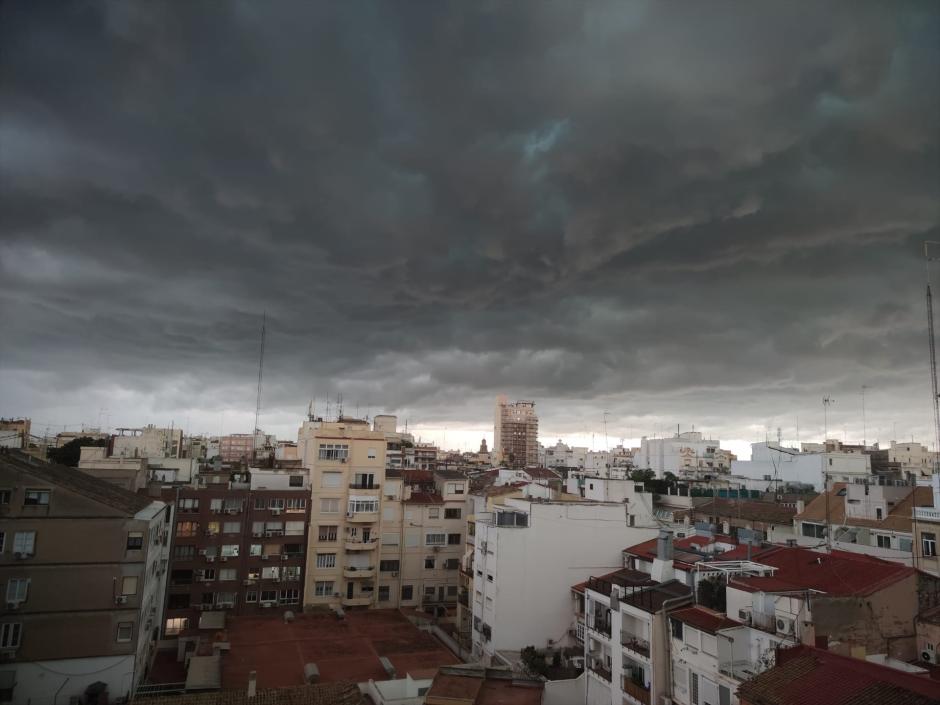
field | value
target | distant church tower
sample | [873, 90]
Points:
[483, 450]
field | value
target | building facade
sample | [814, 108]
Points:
[83, 564]
[516, 433]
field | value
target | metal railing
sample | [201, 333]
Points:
[640, 646]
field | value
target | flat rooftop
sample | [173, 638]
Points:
[343, 650]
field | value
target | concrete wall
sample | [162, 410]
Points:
[566, 692]
[38, 683]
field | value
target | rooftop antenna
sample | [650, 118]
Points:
[864, 422]
[933, 352]
[339, 407]
[827, 402]
[606, 443]
[264, 320]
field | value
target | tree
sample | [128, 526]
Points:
[643, 475]
[71, 452]
[711, 594]
[533, 661]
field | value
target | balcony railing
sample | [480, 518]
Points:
[599, 669]
[739, 670]
[602, 625]
[364, 485]
[927, 514]
[635, 644]
[636, 691]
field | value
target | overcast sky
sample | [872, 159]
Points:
[680, 213]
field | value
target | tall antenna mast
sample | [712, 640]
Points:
[864, 423]
[264, 320]
[933, 355]
[827, 402]
[606, 444]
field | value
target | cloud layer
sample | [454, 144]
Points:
[674, 212]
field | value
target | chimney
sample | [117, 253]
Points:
[252, 684]
[664, 545]
[662, 570]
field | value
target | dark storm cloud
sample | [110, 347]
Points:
[668, 210]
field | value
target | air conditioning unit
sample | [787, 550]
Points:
[223, 558]
[120, 600]
[13, 605]
[21, 556]
[257, 534]
[231, 511]
[267, 604]
[210, 559]
[785, 625]
[284, 557]
[744, 616]
[928, 656]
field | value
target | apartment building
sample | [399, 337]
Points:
[874, 519]
[516, 433]
[684, 453]
[926, 528]
[83, 564]
[527, 554]
[422, 538]
[773, 467]
[238, 546]
[147, 442]
[347, 475]
[237, 446]
[14, 433]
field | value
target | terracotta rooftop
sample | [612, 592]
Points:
[834, 573]
[751, 510]
[807, 676]
[484, 686]
[321, 694]
[703, 618]
[689, 551]
[541, 474]
[424, 498]
[76, 481]
[898, 519]
[651, 599]
[450, 474]
[414, 477]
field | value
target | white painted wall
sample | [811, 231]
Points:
[787, 465]
[38, 681]
[534, 568]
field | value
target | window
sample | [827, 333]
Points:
[125, 630]
[215, 505]
[428, 591]
[455, 487]
[429, 563]
[294, 528]
[928, 540]
[3, 541]
[879, 513]
[187, 529]
[370, 454]
[208, 574]
[257, 528]
[36, 498]
[435, 539]
[187, 505]
[434, 512]
[213, 528]
[676, 628]
[489, 577]
[407, 592]
[364, 481]
[452, 513]
[390, 538]
[904, 544]
[230, 550]
[290, 596]
[326, 560]
[292, 572]
[24, 542]
[334, 451]
[384, 593]
[453, 539]
[296, 481]
[452, 564]
[135, 540]
[327, 533]
[175, 625]
[184, 553]
[323, 588]
[5, 496]
[251, 596]
[277, 503]
[271, 572]
[363, 505]
[816, 531]
[232, 527]
[296, 504]
[129, 585]
[261, 503]
[884, 541]
[329, 505]
[269, 595]
[17, 589]
[293, 549]
[452, 590]
[273, 528]
[254, 549]
[228, 574]
[388, 566]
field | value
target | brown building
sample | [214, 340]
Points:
[83, 565]
[236, 446]
[516, 433]
[237, 546]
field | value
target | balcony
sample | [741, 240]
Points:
[739, 670]
[364, 486]
[359, 572]
[927, 514]
[463, 597]
[600, 624]
[637, 692]
[357, 601]
[362, 517]
[599, 670]
[361, 545]
[636, 645]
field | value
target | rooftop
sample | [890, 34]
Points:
[320, 694]
[485, 686]
[651, 599]
[624, 577]
[450, 475]
[752, 510]
[897, 519]
[416, 477]
[834, 573]
[703, 618]
[76, 481]
[346, 650]
[424, 498]
[807, 676]
[542, 474]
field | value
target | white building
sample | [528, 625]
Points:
[778, 466]
[563, 456]
[148, 442]
[527, 556]
[685, 452]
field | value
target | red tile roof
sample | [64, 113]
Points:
[542, 474]
[703, 618]
[685, 558]
[424, 498]
[415, 477]
[807, 676]
[835, 573]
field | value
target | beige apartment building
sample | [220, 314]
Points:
[516, 433]
[83, 567]
[346, 460]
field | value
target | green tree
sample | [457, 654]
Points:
[533, 661]
[70, 453]
[711, 594]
